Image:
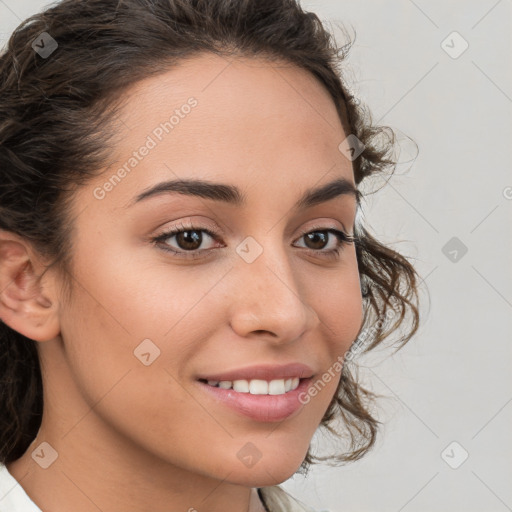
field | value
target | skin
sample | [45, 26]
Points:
[150, 431]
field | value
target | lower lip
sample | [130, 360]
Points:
[264, 408]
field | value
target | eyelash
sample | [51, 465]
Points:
[342, 237]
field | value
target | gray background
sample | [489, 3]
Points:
[452, 382]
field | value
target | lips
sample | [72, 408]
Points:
[261, 372]
[263, 393]
[258, 407]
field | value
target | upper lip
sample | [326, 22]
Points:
[263, 372]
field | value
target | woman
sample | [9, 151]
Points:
[182, 268]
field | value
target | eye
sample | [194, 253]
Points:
[189, 241]
[317, 240]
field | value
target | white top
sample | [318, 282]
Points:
[13, 497]
[278, 500]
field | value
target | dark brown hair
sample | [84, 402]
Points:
[56, 128]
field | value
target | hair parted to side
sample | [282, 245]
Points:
[57, 127]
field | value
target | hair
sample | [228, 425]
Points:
[57, 132]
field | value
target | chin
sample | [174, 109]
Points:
[267, 471]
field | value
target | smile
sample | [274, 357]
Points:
[258, 386]
[256, 400]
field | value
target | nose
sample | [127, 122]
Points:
[267, 300]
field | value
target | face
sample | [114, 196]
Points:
[250, 288]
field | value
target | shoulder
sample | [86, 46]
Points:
[277, 499]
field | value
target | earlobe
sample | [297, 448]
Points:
[27, 302]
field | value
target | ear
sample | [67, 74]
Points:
[28, 303]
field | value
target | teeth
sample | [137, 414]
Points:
[242, 386]
[258, 386]
[276, 387]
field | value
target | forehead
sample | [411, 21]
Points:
[242, 103]
[253, 86]
[253, 122]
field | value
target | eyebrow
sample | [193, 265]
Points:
[231, 194]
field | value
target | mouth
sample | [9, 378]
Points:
[257, 399]
[256, 386]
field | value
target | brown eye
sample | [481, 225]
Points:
[327, 242]
[316, 240]
[189, 240]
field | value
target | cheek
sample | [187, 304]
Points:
[146, 403]
[113, 310]
[339, 306]
[126, 299]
